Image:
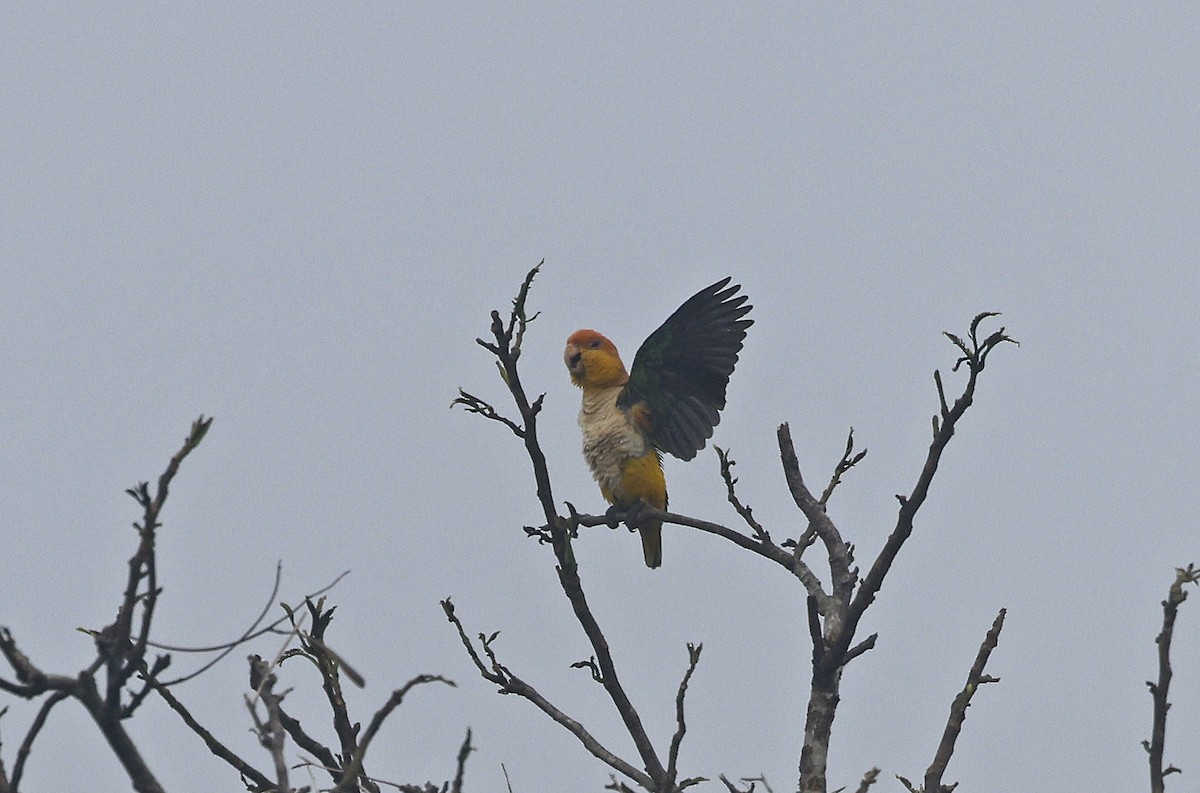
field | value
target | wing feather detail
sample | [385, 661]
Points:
[678, 379]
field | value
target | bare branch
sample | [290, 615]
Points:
[958, 710]
[461, 764]
[848, 461]
[869, 778]
[121, 657]
[271, 734]
[681, 729]
[783, 557]
[354, 767]
[307, 743]
[253, 632]
[473, 404]
[1158, 691]
[39, 721]
[228, 647]
[31, 681]
[837, 550]
[833, 637]
[860, 648]
[727, 464]
[313, 648]
[974, 355]
[509, 683]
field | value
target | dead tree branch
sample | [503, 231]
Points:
[220, 750]
[958, 710]
[869, 778]
[834, 638]
[120, 647]
[509, 683]
[121, 656]
[354, 767]
[1159, 690]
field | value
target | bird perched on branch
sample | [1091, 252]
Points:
[668, 402]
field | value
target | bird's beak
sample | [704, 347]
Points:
[573, 359]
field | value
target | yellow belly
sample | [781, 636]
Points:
[640, 477]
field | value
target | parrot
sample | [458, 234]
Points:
[669, 401]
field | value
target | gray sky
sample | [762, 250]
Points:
[297, 218]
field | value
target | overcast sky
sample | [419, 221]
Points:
[296, 217]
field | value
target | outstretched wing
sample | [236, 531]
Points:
[676, 387]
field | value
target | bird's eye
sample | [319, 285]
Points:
[594, 344]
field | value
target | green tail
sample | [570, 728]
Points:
[652, 543]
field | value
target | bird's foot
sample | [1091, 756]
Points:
[634, 515]
[612, 516]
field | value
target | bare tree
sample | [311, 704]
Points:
[125, 672]
[117, 682]
[834, 615]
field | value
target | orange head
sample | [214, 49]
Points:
[593, 360]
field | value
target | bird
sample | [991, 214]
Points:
[669, 401]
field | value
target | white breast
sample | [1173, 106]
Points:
[609, 438]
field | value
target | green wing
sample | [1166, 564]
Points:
[676, 387]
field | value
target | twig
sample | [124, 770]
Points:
[251, 633]
[509, 683]
[677, 739]
[848, 461]
[354, 766]
[215, 746]
[271, 734]
[819, 523]
[122, 659]
[975, 356]
[747, 514]
[26, 746]
[869, 778]
[461, 764]
[958, 710]
[1158, 691]
[474, 404]
[765, 548]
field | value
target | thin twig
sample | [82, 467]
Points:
[26, 746]
[1158, 691]
[354, 766]
[869, 778]
[461, 763]
[848, 461]
[509, 683]
[958, 710]
[681, 728]
[251, 633]
[747, 514]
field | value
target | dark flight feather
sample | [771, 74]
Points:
[681, 371]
